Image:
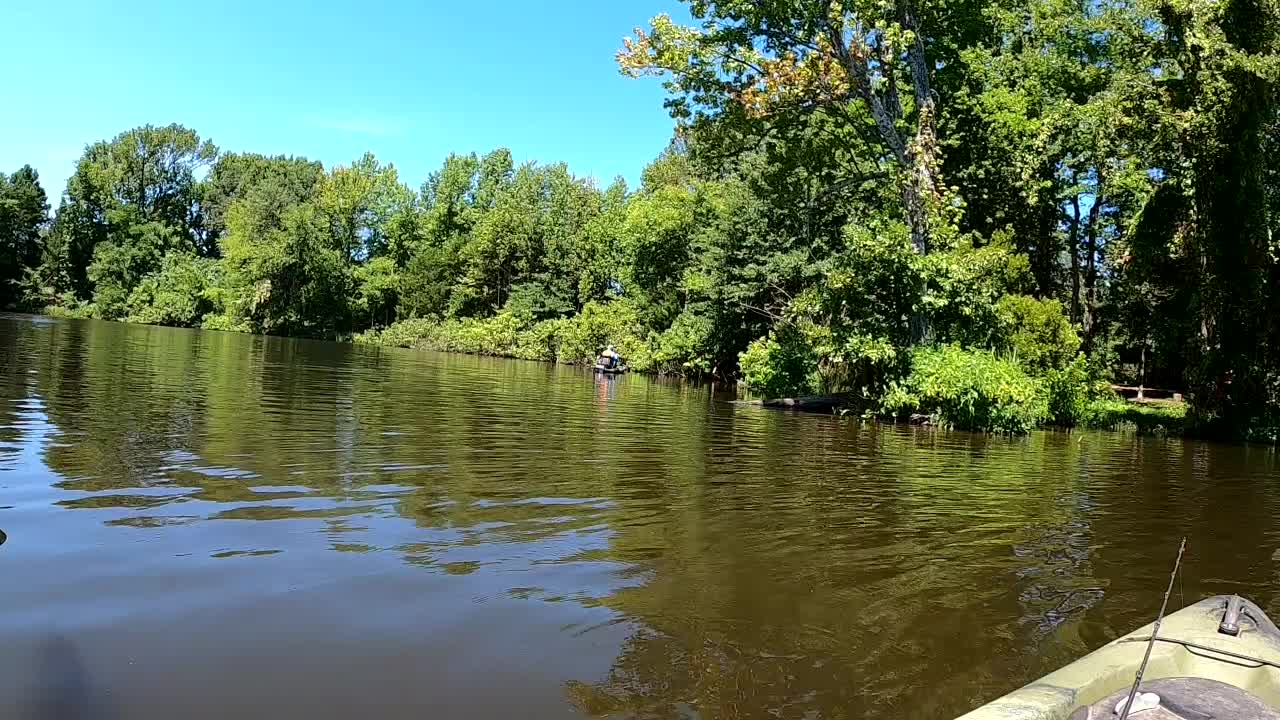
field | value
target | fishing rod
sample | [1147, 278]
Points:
[1155, 631]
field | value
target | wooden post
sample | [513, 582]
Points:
[1142, 371]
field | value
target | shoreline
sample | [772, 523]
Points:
[1153, 418]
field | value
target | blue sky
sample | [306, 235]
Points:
[410, 81]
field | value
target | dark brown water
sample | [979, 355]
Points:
[211, 525]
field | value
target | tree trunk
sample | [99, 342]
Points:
[917, 216]
[920, 196]
[142, 179]
[923, 157]
[1073, 246]
[1091, 271]
[1142, 370]
[920, 158]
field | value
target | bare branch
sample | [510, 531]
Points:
[743, 61]
[789, 38]
[854, 57]
[778, 319]
[849, 182]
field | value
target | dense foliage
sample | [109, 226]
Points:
[969, 211]
[23, 210]
[970, 390]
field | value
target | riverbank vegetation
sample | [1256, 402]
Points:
[973, 211]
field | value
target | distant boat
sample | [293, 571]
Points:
[1218, 658]
[615, 370]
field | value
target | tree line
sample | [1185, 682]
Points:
[980, 210]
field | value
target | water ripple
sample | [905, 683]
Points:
[320, 527]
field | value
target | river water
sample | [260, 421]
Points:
[213, 525]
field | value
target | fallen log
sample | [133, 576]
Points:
[1141, 392]
[809, 403]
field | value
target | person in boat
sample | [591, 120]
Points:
[610, 358]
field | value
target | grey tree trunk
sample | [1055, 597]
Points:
[1073, 246]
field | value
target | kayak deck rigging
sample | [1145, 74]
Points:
[1198, 670]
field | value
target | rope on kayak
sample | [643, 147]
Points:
[1257, 662]
[1155, 632]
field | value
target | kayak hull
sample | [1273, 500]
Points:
[610, 371]
[1190, 649]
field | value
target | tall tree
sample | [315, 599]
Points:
[147, 175]
[1225, 109]
[367, 207]
[24, 213]
[1049, 135]
[285, 272]
[277, 182]
[866, 60]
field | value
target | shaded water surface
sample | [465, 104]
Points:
[211, 525]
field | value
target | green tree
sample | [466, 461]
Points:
[658, 237]
[284, 180]
[378, 287]
[183, 292]
[1225, 102]
[143, 177]
[599, 257]
[868, 61]
[24, 213]
[369, 210]
[452, 200]
[526, 243]
[284, 270]
[120, 263]
[1050, 131]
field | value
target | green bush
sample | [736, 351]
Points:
[488, 336]
[478, 336]
[67, 306]
[226, 322]
[898, 400]
[686, 347]
[970, 390]
[404, 333]
[540, 342]
[576, 340]
[780, 365]
[181, 293]
[603, 323]
[1115, 413]
[854, 362]
[964, 285]
[1067, 393]
[857, 319]
[1037, 332]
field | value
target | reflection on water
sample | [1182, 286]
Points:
[208, 524]
[63, 689]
